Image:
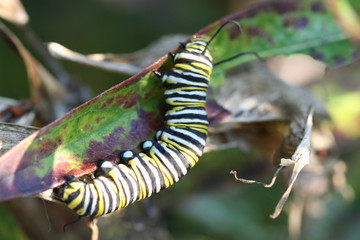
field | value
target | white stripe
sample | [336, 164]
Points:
[114, 195]
[182, 99]
[166, 163]
[183, 142]
[120, 180]
[133, 183]
[194, 57]
[189, 120]
[201, 140]
[155, 171]
[198, 93]
[95, 200]
[176, 158]
[145, 175]
[189, 111]
[191, 74]
[184, 81]
[101, 188]
[86, 198]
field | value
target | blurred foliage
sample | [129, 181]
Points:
[9, 227]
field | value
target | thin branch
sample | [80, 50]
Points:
[60, 52]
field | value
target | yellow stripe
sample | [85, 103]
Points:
[101, 206]
[168, 179]
[142, 185]
[119, 186]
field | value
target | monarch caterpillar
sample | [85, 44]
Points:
[164, 160]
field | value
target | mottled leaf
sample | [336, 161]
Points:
[132, 111]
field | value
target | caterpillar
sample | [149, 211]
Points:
[167, 158]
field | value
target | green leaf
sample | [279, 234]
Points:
[131, 112]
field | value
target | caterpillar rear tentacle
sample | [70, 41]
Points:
[164, 160]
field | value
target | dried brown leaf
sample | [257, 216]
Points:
[13, 11]
[24, 118]
[261, 107]
[299, 160]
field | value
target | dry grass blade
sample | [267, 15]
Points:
[299, 159]
[60, 52]
[13, 11]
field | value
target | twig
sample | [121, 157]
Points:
[60, 52]
[258, 182]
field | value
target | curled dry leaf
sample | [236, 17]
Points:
[261, 107]
[299, 160]
[13, 11]
[264, 100]
[314, 189]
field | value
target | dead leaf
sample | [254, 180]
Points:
[299, 160]
[260, 109]
[14, 12]
[7, 106]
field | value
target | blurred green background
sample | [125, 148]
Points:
[208, 203]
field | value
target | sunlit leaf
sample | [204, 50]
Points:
[132, 111]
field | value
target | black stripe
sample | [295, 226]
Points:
[132, 196]
[189, 97]
[181, 144]
[199, 117]
[190, 62]
[196, 53]
[161, 148]
[186, 77]
[72, 196]
[157, 167]
[187, 137]
[145, 163]
[91, 199]
[180, 86]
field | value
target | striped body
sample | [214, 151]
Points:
[164, 160]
